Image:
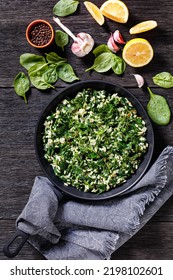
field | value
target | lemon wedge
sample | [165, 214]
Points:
[115, 10]
[143, 26]
[95, 12]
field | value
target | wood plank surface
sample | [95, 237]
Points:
[18, 163]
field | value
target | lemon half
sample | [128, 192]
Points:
[137, 52]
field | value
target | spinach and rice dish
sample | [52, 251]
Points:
[94, 141]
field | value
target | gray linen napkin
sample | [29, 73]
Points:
[81, 230]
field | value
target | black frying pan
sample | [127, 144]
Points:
[71, 91]
[70, 191]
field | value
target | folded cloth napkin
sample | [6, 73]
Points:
[79, 230]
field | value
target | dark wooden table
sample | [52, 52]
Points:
[18, 163]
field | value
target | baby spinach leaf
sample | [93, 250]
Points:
[27, 60]
[105, 60]
[66, 73]
[43, 71]
[101, 49]
[21, 85]
[36, 74]
[53, 57]
[38, 68]
[65, 7]
[119, 65]
[102, 63]
[61, 39]
[158, 109]
[51, 75]
[164, 80]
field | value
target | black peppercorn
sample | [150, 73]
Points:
[40, 34]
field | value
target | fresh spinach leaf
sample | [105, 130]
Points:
[36, 74]
[164, 80]
[27, 60]
[158, 109]
[53, 57]
[65, 7]
[51, 75]
[66, 73]
[119, 65]
[105, 60]
[102, 63]
[61, 39]
[101, 49]
[43, 71]
[21, 85]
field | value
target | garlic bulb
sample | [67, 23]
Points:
[111, 44]
[83, 42]
[83, 45]
[140, 80]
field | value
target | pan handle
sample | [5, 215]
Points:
[22, 236]
[18, 236]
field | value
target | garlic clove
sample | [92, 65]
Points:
[76, 49]
[83, 45]
[111, 44]
[118, 37]
[140, 80]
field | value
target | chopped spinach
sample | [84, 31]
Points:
[94, 141]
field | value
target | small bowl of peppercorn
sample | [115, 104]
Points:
[40, 34]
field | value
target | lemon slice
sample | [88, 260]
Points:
[143, 26]
[138, 52]
[115, 10]
[95, 12]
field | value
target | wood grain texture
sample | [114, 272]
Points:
[18, 163]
